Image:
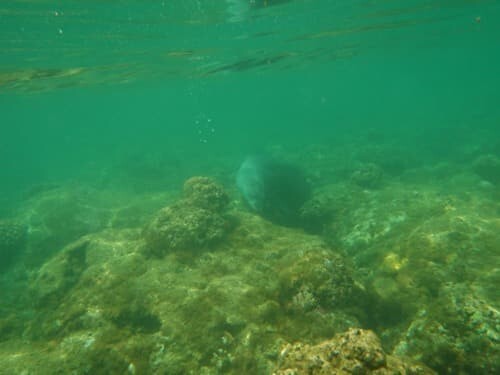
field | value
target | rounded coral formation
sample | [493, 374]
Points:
[183, 227]
[203, 192]
[193, 223]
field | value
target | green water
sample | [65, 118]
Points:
[106, 104]
[146, 72]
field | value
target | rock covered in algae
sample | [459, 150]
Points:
[356, 351]
[180, 227]
[203, 192]
[193, 223]
[320, 278]
[459, 334]
[422, 248]
[12, 241]
[59, 274]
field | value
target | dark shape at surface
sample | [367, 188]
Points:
[273, 188]
[249, 64]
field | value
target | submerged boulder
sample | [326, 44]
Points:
[183, 227]
[356, 351]
[195, 222]
[203, 192]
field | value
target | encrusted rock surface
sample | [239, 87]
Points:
[195, 222]
[204, 192]
[458, 334]
[356, 351]
[101, 306]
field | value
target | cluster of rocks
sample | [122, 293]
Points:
[101, 297]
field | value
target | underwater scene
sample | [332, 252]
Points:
[281, 187]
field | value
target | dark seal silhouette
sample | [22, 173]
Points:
[274, 189]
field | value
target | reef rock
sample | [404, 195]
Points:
[193, 223]
[320, 278]
[459, 334]
[203, 192]
[356, 351]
